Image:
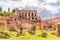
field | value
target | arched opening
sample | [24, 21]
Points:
[32, 14]
[8, 21]
[33, 18]
[25, 14]
[50, 26]
[35, 14]
[29, 14]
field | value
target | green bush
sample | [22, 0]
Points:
[1, 14]
[7, 14]
[5, 32]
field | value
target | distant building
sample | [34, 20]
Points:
[29, 15]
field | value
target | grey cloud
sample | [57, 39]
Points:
[45, 14]
[41, 0]
[16, 0]
[55, 4]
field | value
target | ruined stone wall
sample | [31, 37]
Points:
[2, 24]
[30, 15]
[52, 22]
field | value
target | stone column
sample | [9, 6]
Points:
[21, 14]
[56, 25]
[27, 16]
[24, 15]
[41, 25]
[35, 16]
[5, 25]
[30, 16]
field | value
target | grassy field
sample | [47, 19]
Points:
[32, 37]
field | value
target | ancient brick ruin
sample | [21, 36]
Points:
[29, 15]
[28, 18]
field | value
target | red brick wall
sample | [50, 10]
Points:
[3, 22]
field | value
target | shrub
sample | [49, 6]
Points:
[1, 14]
[5, 32]
[7, 14]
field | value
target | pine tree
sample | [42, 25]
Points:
[13, 10]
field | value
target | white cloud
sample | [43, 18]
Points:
[51, 1]
[46, 5]
[30, 2]
[51, 8]
[20, 4]
[35, 3]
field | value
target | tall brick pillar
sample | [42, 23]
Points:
[5, 25]
[24, 15]
[34, 16]
[27, 16]
[30, 16]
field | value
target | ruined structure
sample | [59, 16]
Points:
[50, 24]
[29, 15]
[28, 19]
[7, 22]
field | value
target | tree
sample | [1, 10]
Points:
[8, 9]
[13, 10]
[16, 9]
[1, 14]
[7, 14]
[0, 9]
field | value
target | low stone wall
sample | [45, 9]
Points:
[29, 25]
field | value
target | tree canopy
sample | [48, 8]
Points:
[6, 14]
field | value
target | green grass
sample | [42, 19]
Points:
[32, 37]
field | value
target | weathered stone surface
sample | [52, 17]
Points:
[44, 34]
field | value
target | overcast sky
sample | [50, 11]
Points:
[47, 9]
